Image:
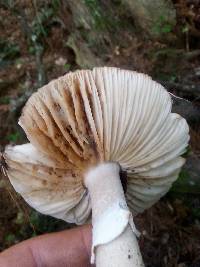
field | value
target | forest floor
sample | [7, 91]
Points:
[34, 49]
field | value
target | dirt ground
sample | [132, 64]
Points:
[34, 49]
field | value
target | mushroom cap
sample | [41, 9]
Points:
[85, 118]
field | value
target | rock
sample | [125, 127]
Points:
[84, 56]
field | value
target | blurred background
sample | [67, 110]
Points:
[41, 40]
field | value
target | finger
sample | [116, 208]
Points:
[70, 248]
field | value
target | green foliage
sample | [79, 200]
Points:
[187, 152]
[8, 3]
[102, 20]
[8, 50]
[185, 29]
[5, 100]
[33, 224]
[55, 5]
[164, 63]
[33, 49]
[104, 24]
[10, 239]
[40, 25]
[195, 212]
[67, 67]
[169, 52]
[14, 137]
[45, 224]
[20, 218]
[183, 176]
[185, 184]
[162, 26]
[159, 75]
[95, 10]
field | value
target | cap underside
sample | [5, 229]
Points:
[92, 116]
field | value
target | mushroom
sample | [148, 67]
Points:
[83, 129]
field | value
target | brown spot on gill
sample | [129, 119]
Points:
[90, 151]
[67, 105]
[59, 126]
[99, 85]
[79, 108]
[40, 121]
[89, 110]
[57, 137]
[45, 144]
[74, 139]
[69, 114]
[57, 107]
[44, 182]
[35, 182]
[50, 173]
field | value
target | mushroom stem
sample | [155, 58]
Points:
[114, 234]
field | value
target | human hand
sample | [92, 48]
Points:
[69, 248]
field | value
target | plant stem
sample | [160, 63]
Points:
[114, 233]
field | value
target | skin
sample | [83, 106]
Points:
[69, 248]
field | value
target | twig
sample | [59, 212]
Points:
[185, 88]
[192, 54]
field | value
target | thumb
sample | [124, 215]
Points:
[67, 248]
